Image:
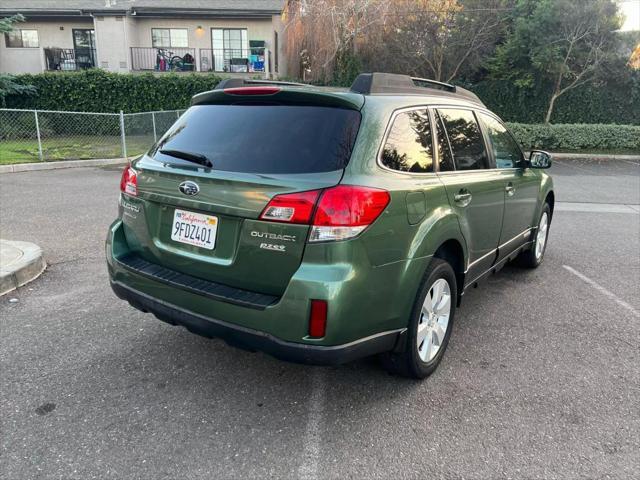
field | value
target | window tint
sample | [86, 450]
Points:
[505, 149]
[264, 138]
[408, 147]
[445, 159]
[465, 139]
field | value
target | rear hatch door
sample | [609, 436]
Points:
[204, 220]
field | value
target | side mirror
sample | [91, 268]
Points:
[539, 159]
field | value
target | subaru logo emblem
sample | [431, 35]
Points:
[189, 188]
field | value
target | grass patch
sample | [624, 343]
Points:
[77, 147]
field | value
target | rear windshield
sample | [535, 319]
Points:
[264, 138]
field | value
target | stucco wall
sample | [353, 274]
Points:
[115, 35]
[31, 60]
[112, 37]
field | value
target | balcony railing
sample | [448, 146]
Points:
[233, 60]
[163, 59]
[69, 58]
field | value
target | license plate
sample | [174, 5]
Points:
[194, 229]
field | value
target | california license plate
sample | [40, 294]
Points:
[194, 229]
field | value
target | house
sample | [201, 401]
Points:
[239, 37]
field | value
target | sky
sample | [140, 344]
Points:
[631, 10]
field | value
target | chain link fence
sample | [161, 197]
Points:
[46, 135]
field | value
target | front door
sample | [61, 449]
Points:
[474, 189]
[521, 185]
[84, 46]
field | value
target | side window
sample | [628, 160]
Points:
[409, 147]
[465, 138]
[445, 160]
[505, 149]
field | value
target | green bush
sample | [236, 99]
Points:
[100, 91]
[578, 137]
[616, 101]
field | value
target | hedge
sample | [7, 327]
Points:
[578, 137]
[100, 91]
[617, 101]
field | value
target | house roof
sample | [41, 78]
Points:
[142, 7]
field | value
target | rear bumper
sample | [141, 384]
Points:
[250, 339]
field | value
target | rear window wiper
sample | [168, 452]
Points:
[189, 156]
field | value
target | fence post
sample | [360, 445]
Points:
[40, 156]
[122, 135]
[177, 114]
[153, 120]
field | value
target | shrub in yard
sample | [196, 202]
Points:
[96, 90]
[577, 137]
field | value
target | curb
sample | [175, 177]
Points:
[30, 167]
[594, 156]
[28, 265]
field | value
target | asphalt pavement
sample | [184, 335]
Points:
[541, 378]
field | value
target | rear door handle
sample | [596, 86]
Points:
[463, 198]
[510, 189]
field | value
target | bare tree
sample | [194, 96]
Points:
[321, 29]
[584, 44]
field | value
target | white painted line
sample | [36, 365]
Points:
[309, 468]
[595, 207]
[603, 290]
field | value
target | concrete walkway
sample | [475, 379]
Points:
[20, 262]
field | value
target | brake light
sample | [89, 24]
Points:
[129, 181]
[341, 212]
[251, 90]
[318, 319]
[291, 207]
[345, 211]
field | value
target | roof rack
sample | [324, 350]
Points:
[392, 83]
[243, 82]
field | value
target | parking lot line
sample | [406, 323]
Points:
[311, 456]
[602, 290]
[590, 207]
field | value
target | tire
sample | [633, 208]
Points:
[420, 360]
[533, 257]
[176, 63]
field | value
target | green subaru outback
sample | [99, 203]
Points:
[322, 226]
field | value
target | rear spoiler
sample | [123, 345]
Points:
[230, 91]
[246, 82]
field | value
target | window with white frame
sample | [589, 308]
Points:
[22, 39]
[169, 37]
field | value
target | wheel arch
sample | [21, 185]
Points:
[551, 200]
[452, 251]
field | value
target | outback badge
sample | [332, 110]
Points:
[189, 188]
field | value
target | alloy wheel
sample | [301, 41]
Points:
[434, 320]
[541, 236]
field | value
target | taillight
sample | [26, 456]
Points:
[318, 318]
[291, 207]
[341, 212]
[251, 91]
[345, 211]
[129, 181]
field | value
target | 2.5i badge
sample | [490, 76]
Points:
[274, 247]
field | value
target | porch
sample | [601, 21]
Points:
[220, 60]
[69, 59]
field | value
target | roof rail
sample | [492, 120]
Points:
[243, 82]
[433, 84]
[392, 83]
